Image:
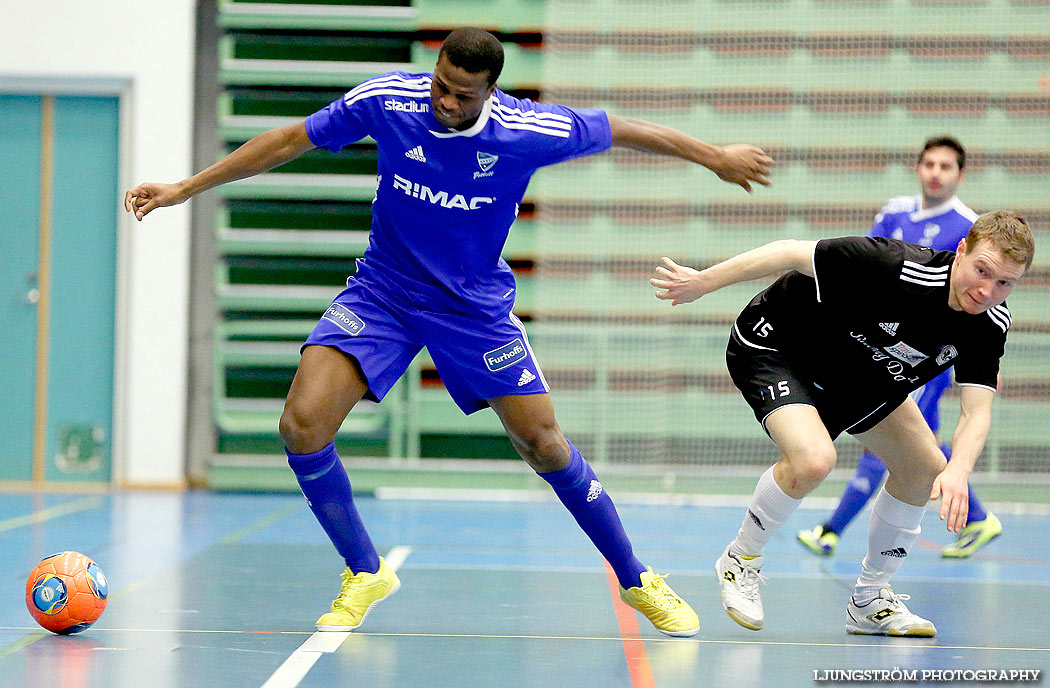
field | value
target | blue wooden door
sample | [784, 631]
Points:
[19, 226]
[64, 281]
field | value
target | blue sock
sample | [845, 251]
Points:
[861, 487]
[579, 490]
[327, 489]
[977, 512]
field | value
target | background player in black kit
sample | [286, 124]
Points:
[835, 346]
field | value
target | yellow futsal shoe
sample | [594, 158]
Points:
[660, 604]
[819, 541]
[357, 595]
[973, 537]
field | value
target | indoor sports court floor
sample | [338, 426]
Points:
[222, 590]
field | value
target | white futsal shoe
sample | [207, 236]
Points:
[886, 615]
[739, 577]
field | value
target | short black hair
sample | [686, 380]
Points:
[474, 51]
[946, 142]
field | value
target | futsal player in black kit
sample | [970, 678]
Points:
[836, 345]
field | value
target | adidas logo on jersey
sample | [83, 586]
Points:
[526, 377]
[925, 275]
[416, 154]
[594, 491]
[891, 328]
[898, 552]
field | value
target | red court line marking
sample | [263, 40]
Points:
[633, 645]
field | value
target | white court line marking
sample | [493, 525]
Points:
[823, 575]
[295, 668]
[610, 639]
[82, 504]
[469, 494]
[396, 556]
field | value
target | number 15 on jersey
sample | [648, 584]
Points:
[780, 390]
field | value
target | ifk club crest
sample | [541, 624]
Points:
[486, 161]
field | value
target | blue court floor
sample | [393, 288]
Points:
[223, 589]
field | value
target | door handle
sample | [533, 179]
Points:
[33, 297]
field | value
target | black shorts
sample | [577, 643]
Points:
[769, 382]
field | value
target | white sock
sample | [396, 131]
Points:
[770, 508]
[892, 532]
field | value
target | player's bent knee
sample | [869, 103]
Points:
[812, 468]
[301, 433]
[545, 450]
[928, 472]
[816, 472]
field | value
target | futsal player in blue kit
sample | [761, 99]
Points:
[455, 157]
[936, 219]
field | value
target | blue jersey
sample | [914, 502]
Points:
[446, 198]
[939, 228]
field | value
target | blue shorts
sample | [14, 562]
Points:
[477, 359]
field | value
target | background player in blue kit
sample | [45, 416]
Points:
[936, 219]
[455, 157]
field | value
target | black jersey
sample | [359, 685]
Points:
[875, 321]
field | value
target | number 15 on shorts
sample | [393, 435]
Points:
[776, 392]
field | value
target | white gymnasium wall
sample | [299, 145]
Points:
[145, 51]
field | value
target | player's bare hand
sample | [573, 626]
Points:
[742, 164]
[149, 195]
[953, 490]
[681, 284]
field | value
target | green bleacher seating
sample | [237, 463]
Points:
[829, 101]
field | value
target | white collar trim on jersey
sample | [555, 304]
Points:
[952, 203]
[483, 119]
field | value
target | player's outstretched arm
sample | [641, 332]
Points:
[682, 284]
[737, 163]
[970, 434]
[264, 152]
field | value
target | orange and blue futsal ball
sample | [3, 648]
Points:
[66, 592]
